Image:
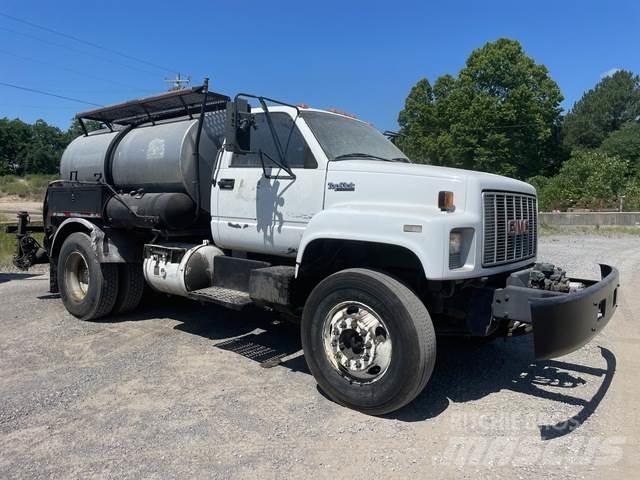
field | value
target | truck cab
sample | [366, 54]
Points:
[314, 214]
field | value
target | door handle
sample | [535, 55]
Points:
[226, 183]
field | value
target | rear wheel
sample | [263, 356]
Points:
[131, 287]
[368, 340]
[88, 288]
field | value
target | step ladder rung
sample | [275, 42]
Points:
[227, 297]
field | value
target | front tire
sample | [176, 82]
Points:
[368, 341]
[88, 288]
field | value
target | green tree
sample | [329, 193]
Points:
[588, 179]
[501, 115]
[34, 148]
[540, 183]
[614, 101]
[42, 154]
[632, 195]
[624, 143]
[418, 122]
[15, 136]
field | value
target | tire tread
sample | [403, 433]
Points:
[131, 287]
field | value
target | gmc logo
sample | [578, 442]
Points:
[517, 227]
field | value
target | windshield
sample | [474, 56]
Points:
[343, 138]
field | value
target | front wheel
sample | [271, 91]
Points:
[368, 340]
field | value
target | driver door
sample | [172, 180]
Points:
[255, 213]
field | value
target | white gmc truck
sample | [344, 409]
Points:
[314, 214]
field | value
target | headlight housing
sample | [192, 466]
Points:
[459, 244]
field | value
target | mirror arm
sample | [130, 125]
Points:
[263, 104]
[261, 155]
[272, 129]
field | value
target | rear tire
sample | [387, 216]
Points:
[368, 341]
[131, 287]
[88, 288]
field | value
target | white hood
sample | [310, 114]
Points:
[408, 184]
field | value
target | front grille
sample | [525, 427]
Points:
[505, 211]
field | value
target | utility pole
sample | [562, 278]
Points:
[178, 83]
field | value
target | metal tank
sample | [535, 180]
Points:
[155, 158]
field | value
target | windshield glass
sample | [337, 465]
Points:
[343, 138]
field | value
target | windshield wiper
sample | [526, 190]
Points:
[362, 155]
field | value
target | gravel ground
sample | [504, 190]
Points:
[177, 390]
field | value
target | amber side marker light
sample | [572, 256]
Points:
[445, 201]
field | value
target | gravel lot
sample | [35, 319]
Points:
[178, 390]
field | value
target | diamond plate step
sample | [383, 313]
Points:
[226, 297]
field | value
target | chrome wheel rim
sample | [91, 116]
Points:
[357, 342]
[77, 276]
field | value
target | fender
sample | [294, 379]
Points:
[383, 223]
[114, 247]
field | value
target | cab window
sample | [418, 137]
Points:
[297, 152]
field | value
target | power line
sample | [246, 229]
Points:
[86, 42]
[39, 107]
[41, 92]
[71, 70]
[67, 47]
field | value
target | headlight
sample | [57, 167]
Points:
[455, 243]
[459, 243]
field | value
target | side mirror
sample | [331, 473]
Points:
[238, 126]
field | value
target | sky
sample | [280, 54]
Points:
[358, 56]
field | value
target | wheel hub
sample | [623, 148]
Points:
[357, 342]
[77, 276]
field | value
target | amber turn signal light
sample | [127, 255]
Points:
[445, 201]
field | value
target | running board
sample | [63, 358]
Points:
[226, 297]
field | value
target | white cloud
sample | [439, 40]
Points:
[609, 72]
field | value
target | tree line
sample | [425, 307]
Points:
[501, 114]
[34, 148]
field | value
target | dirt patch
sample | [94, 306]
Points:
[9, 207]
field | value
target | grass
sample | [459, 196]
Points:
[604, 230]
[29, 187]
[7, 248]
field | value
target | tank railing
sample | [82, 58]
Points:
[185, 102]
[196, 150]
[186, 107]
[86, 131]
